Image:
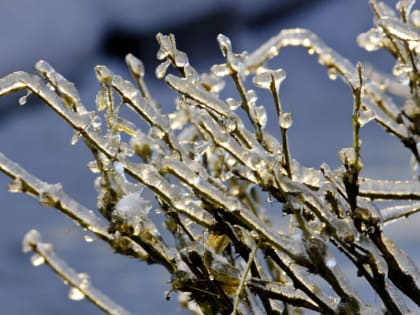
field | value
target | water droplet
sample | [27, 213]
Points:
[330, 261]
[15, 185]
[23, 99]
[37, 260]
[75, 294]
[285, 120]
[93, 166]
[211, 277]
[88, 238]
[332, 73]
[84, 277]
[311, 51]
[233, 104]
[162, 68]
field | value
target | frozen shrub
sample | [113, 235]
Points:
[207, 171]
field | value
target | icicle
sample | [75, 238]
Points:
[162, 68]
[135, 65]
[224, 44]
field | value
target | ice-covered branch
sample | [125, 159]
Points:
[80, 284]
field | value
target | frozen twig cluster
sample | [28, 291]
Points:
[207, 172]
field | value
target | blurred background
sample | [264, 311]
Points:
[74, 36]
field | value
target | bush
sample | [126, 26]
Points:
[208, 168]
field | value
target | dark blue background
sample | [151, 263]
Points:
[74, 36]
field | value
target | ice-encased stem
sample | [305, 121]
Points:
[34, 186]
[70, 276]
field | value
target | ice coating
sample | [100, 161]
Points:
[208, 169]
[80, 286]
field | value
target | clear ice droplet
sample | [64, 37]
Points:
[93, 166]
[37, 260]
[285, 120]
[233, 104]
[15, 185]
[75, 294]
[88, 238]
[332, 73]
[330, 261]
[24, 98]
